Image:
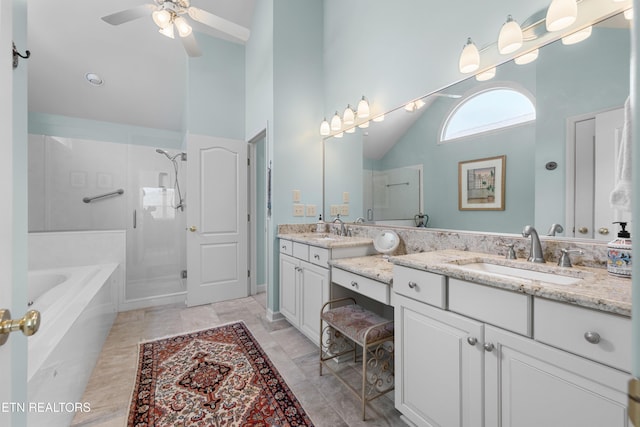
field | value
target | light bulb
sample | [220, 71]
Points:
[184, 29]
[336, 122]
[527, 57]
[349, 116]
[325, 129]
[510, 38]
[561, 14]
[486, 75]
[469, 58]
[577, 37]
[162, 18]
[363, 108]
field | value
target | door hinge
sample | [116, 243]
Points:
[248, 161]
[248, 217]
[248, 273]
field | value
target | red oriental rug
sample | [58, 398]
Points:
[216, 377]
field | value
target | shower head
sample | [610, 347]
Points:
[161, 151]
[183, 156]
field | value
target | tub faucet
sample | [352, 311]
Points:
[343, 230]
[535, 255]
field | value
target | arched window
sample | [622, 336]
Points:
[488, 110]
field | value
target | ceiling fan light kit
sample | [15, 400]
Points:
[167, 14]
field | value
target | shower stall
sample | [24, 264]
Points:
[78, 184]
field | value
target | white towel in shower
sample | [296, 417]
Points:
[621, 194]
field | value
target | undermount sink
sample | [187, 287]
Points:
[521, 273]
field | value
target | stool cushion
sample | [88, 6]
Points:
[353, 321]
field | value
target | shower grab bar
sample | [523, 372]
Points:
[399, 183]
[101, 196]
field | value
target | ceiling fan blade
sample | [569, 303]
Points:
[191, 46]
[129, 14]
[218, 23]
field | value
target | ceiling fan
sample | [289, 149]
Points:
[170, 14]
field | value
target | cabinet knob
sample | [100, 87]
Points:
[583, 230]
[592, 337]
[354, 284]
[472, 340]
[603, 230]
[488, 347]
[412, 285]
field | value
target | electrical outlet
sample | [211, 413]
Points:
[296, 196]
[311, 210]
[334, 210]
[345, 197]
[344, 210]
[298, 209]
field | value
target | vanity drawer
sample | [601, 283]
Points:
[420, 285]
[363, 285]
[301, 251]
[566, 326]
[319, 256]
[505, 309]
[286, 247]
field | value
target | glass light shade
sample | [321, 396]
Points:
[350, 130]
[486, 75]
[561, 14]
[577, 37]
[184, 29]
[167, 31]
[379, 118]
[325, 129]
[162, 18]
[419, 104]
[527, 57]
[363, 108]
[628, 14]
[410, 107]
[336, 122]
[339, 135]
[349, 116]
[510, 38]
[364, 125]
[469, 58]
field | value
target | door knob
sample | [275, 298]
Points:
[603, 230]
[29, 324]
[192, 229]
[583, 230]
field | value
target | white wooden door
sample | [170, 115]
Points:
[6, 213]
[438, 369]
[216, 219]
[314, 292]
[289, 278]
[529, 384]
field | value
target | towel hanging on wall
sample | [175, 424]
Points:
[621, 194]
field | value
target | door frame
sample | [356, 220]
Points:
[253, 211]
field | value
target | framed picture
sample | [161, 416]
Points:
[481, 184]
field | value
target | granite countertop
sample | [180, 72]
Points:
[326, 240]
[595, 288]
[373, 266]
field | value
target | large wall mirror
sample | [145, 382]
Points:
[400, 168]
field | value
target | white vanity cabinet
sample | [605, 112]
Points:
[305, 281]
[304, 286]
[479, 359]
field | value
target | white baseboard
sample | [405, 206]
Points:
[273, 316]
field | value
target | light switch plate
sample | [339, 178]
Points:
[296, 196]
[345, 197]
[344, 210]
[311, 210]
[298, 209]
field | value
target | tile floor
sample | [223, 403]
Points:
[326, 400]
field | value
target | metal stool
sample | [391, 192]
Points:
[348, 325]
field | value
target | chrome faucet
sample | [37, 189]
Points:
[343, 230]
[535, 255]
[555, 228]
[359, 220]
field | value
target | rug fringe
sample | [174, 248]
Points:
[193, 331]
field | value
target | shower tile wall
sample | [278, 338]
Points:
[62, 171]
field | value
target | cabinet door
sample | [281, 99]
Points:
[289, 272]
[529, 384]
[314, 291]
[439, 361]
